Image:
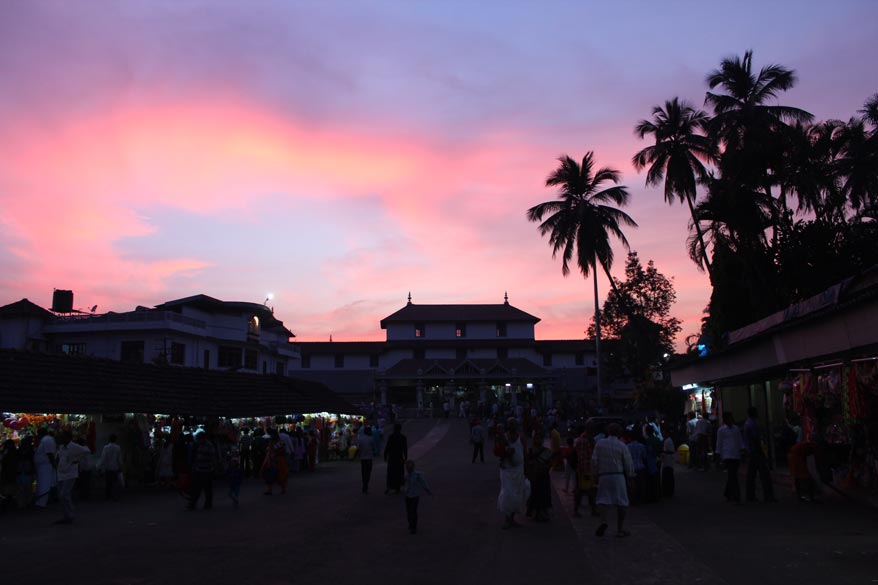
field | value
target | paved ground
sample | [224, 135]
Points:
[324, 529]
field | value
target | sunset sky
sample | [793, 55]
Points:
[343, 154]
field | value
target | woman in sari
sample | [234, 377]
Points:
[512, 482]
[275, 469]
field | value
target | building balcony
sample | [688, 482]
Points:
[133, 321]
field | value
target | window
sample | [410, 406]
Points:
[132, 352]
[264, 367]
[460, 330]
[461, 353]
[547, 359]
[73, 348]
[339, 361]
[502, 353]
[281, 368]
[306, 361]
[580, 359]
[501, 329]
[178, 353]
[228, 357]
[206, 359]
[420, 330]
[253, 328]
[420, 354]
[373, 361]
[251, 359]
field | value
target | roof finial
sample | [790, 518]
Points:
[506, 298]
[410, 297]
[330, 338]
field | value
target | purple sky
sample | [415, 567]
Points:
[342, 154]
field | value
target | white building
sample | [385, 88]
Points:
[437, 352]
[431, 353]
[198, 331]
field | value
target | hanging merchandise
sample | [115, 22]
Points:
[832, 388]
[867, 376]
[854, 404]
[809, 388]
[690, 406]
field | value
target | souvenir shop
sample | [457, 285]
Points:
[837, 404]
[701, 400]
[40, 390]
[141, 435]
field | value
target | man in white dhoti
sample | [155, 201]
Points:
[512, 482]
[44, 462]
[612, 466]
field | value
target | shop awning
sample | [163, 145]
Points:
[35, 382]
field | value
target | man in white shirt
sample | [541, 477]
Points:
[611, 464]
[111, 464]
[729, 445]
[69, 456]
[289, 449]
[44, 462]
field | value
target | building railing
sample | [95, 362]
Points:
[132, 317]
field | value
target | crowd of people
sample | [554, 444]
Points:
[603, 460]
[614, 463]
[607, 462]
[53, 465]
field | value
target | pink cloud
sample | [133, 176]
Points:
[455, 227]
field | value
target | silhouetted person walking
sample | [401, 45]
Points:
[395, 454]
[730, 445]
[204, 460]
[111, 464]
[477, 438]
[366, 451]
[757, 462]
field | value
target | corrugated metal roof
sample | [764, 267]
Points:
[34, 382]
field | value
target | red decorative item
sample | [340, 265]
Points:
[856, 402]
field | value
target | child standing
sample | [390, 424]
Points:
[235, 476]
[415, 483]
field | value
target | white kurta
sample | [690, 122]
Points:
[45, 470]
[512, 496]
[611, 463]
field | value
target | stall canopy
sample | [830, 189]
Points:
[35, 382]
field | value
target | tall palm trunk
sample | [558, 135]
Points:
[597, 328]
[700, 236]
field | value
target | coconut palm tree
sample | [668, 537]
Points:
[742, 114]
[748, 128]
[678, 155]
[808, 171]
[858, 159]
[581, 221]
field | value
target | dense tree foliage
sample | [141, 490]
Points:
[645, 295]
[637, 316]
[785, 206]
